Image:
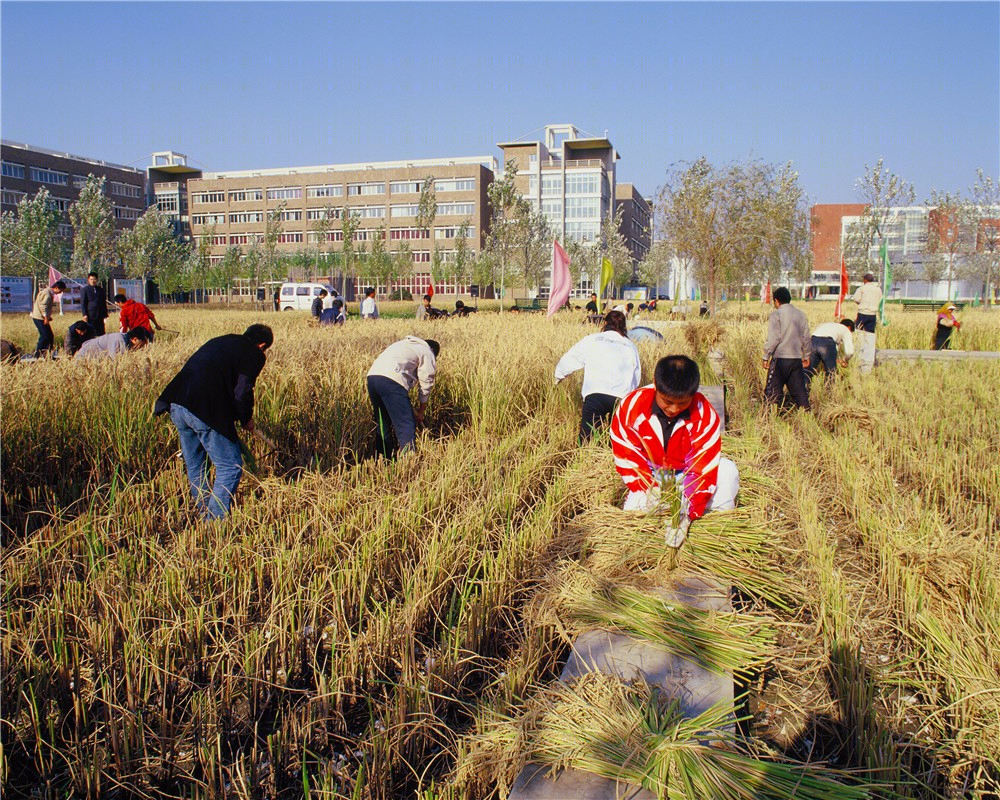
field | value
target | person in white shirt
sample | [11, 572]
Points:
[868, 296]
[611, 369]
[400, 367]
[369, 310]
[829, 339]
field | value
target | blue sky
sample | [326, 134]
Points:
[828, 86]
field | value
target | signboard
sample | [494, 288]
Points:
[132, 288]
[16, 294]
[71, 300]
[635, 294]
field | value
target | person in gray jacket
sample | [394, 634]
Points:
[113, 345]
[787, 353]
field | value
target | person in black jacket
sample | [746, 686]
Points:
[316, 309]
[94, 304]
[79, 332]
[213, 390]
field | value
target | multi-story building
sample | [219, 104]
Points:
[571, 179]
[232, 208]
[636, 225]
[27, 169]
[166, 178]
[909, 243]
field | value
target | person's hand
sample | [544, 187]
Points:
[675, 537]
[419, 414]
[767, 363]
[842, 362]
[248, 426]
[805, 363]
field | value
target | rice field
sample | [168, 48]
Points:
[363, 629]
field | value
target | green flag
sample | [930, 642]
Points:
[607, 272]
[976, 301]
[886, 282]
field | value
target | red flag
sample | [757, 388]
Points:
[844, 286]
[765, 292]
[562, 282]
[430, 289]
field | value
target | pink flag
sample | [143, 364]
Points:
[562, 282]
[765, 293]
[54, 275]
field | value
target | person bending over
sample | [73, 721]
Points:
[400, 367]
[829, 340]
[112, 345]
[611, 369]
[669, 432]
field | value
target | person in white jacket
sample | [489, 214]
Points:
[369, 308]
[611, 369]
[400, 367]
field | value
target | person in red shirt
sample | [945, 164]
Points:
[132, 314]
[669, 431]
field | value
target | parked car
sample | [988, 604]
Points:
[299, 296]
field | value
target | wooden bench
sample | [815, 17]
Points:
[928, 305]
[528, 305]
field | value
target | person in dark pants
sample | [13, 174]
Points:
[946, 323]
[786, 353]
[611, 369]
[316, 309]
[398, 369]
[41, 315]
[79, 332]
[94, 304]
[214, 390]
[828, 339]
[868, 296]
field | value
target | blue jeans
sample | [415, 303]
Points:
[45, 338]
[201, 444]
[393, 415]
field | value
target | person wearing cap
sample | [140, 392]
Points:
[829, 340]
[113, 345]
[400, 367]
[133, 314]
[213, 391]
[868, 296]
[41, 315]
[787, 352]
[611, 369]
[946, 323]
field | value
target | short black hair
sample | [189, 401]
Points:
[93, 275]
[260, 334]
[369, 292]
[323, 293]
[676, 376]
[434, 346]
[847, 323]
[141, 334]
[120, 298]
[459, 304]
[60, 285]
[782, 295]
[427, 297]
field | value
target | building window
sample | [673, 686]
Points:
[335, 190]
[447, 256]
[11, 170]
[289, 238]
[366, 235]
[246, 195]
[356, 189]
[208, 219]
[246, 217]
[367, 212]
[452, 232]
[421, 256]
[285, 193]
[167, 203]
[291, 216]
[320, 213]
[455, 185]
[408, 233]
[405, 211]
[551, 185]
[64, 231]
[79, 181]
[244, 238]
[583, 183]
[582, 207]
[532, 184]
[49, 176]
[120, 189]
[208, 197]
[214, 241]
[582, 231]
[456, 209]
[58, 203]
[123, 212]
[12, 198]
[406, 187]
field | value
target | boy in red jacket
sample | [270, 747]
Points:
[670, 431]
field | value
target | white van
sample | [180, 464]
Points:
[299, 296]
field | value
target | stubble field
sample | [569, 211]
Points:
[370, 630]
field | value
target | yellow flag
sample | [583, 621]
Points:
[607, 271]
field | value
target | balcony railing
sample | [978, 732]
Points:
[166, 187]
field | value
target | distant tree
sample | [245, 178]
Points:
[656, 267]
[953, 229]
[984, 202]
[935, 267]
[402, 261]
[532, 251]
[584, 259]
[224, 272]
[270, 264]
[31, 238]
[505, 206]
[321, 227]
[150, 249]
[460, 268]
[92, 217]
[200, 264]
[614, 248]
[883, 193]
[380, 264]
[427, 207]
[349, 222]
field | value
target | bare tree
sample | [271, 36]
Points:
[883, 193]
